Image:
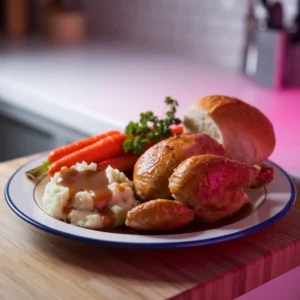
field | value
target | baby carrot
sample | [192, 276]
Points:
[60, 152]
[107, 147]
[123, 163]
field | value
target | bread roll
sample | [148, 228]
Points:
[246, 133]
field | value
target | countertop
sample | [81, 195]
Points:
[37, 265]
[100, 86]
[97, 87]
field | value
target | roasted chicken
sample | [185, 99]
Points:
[213, 186]
[156, 165]
[160, 214]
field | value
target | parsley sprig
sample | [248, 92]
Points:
[150, 128]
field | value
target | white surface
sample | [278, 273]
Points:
[23, 195]
[94, 88]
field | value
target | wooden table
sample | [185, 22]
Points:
[37, 265]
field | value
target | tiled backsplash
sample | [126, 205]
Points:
[211, 30]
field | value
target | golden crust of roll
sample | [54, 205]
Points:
[246, 133]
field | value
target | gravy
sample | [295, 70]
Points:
[108, 217]
[91, 181]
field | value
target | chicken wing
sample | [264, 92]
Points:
[213, 185]
[156, 165]
[160, 214]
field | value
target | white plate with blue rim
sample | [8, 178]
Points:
[266, 206]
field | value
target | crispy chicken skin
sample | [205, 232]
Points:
[213, 185]
[156, 165]
[262, 175]
[158, 215]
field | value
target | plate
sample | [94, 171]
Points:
[267, 206]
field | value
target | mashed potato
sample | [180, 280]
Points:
[82, 212]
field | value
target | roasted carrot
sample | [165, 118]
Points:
[81, 151]
[60, 152]
[107, 147]
[123, 163]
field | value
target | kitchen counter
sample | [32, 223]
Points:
[94, 88]
[97, 87]
[37, 265]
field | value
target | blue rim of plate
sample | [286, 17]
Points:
[183, 244]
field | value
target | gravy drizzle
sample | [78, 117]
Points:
[91, 181]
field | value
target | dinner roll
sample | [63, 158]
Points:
[246, 133]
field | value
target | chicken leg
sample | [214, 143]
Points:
[213, 185]
[156, 165]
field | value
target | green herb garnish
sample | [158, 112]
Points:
[150, 128]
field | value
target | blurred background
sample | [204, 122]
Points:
[214, 31]
[48, 48]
